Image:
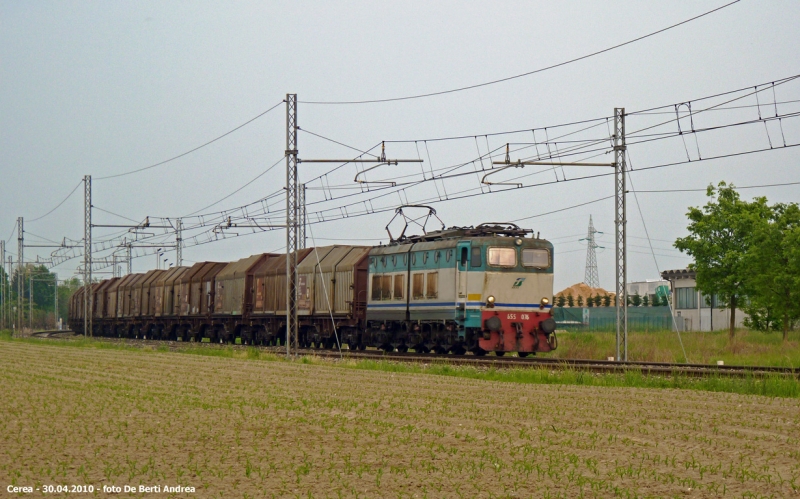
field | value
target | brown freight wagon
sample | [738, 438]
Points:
[127, 294]
[155, 295]
[202, 289]
[117, 295]
[269, 295]
[234, 286]
[100, 297]
[138, 293]
[183, 286]
[148, 289]
[165, 292]
[305, 277]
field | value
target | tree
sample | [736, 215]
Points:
[570, 300]
[718, 241]
[580, 300]
[636, 299]
[774, 262]
[646, 301]
[561, 301]
[589, 301]
[607, 301]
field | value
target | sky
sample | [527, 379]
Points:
[106, 88]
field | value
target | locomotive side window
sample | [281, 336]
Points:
[449, 255]
[502, 257]
[475, 260]
[536, 258]
[425, 257]
[399, 286]
[432, 290]
[418, 286]
[376, 287]
[386, 287]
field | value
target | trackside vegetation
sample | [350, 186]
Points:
[771, 385]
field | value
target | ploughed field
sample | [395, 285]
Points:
[254, 428]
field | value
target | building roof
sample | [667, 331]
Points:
[674, 275]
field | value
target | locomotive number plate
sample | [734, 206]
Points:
[513, 317]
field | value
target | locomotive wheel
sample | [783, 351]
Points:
[478, 351]
[353, 346]
[421, 348]
[439, 350]
[458, 350]
[362, 346]
[499, 354]
[402, 348]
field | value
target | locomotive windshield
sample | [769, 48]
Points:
[536, 258]
[502, 257]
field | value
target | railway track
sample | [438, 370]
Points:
[596, 366]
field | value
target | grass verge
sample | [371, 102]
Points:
[771, 385]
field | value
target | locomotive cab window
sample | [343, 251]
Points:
[464, 256]
[536, 258]
[475, 258]
[502, 257]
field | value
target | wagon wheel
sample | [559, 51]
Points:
[499, 354]
[523, 354]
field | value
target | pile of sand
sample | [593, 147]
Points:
[584, 290]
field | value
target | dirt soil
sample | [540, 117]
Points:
[584, 290]
[247, 428]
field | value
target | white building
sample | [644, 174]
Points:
[646, 288]
[693, 311]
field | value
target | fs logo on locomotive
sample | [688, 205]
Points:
[518, 283]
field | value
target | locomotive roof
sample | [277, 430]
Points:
[492, 229]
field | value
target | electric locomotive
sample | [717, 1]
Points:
[478, 289]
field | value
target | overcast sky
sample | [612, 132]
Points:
[101, 88]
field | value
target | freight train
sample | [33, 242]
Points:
[480, 289]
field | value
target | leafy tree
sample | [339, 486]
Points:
[636, 299]
[561, 301]
[774, 262]
[646, 301]
[570, 300]
[718, 241]
[589, 301]
[580, 300]
[607, 301]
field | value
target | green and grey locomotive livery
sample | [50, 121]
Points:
[481, 289]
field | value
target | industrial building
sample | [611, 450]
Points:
[693, 310]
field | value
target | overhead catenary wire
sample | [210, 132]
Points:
[652, 251]
[522, 75]
[138, 170]
[58, 205]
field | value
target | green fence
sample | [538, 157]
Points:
[605, 318]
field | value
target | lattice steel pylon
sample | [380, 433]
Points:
[620, 221]
[301, 225]
[292, 328]
[178, 242]
[87, 255]
[20, 270]
[591, 276]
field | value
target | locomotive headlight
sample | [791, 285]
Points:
[518, 242]
[490, 301]
[544, 303]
